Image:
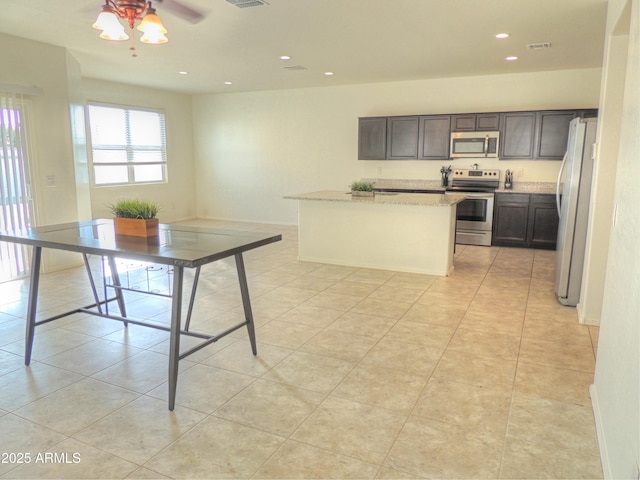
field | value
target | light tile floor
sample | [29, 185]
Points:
[360, 374]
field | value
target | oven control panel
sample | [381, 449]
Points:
[476, 174]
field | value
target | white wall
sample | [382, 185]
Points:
[616, 388]
[176, 198]
[604, 174]
[253, 148]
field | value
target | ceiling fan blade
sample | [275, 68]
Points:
[181, 10]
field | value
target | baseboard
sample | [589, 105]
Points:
[602, 444]
[582, 318]
[241, 220]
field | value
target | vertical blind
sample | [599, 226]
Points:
[16, 203]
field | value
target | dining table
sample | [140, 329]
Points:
[177, 246]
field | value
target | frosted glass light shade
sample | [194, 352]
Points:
[151, 23]
[106, 20]
[114, 34]
[153, 37]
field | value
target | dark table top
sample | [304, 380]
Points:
[175, 244]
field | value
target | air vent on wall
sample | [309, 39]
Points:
[294, 67]
[539, 46]
[247, 3]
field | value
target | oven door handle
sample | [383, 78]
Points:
[470, 194]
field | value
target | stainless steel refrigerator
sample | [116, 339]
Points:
[572, 199]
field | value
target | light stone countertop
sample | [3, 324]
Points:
[529, 187]
[418, 199]
[518, 187]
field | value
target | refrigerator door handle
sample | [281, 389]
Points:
[564, 162]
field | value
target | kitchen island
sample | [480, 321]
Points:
[400, 232]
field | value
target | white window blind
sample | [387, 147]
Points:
[128, 145]
[16, 203]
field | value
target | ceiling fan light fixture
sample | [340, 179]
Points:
[131, 11]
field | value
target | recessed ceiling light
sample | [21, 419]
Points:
[511, 59]
[183, 73]
[285, 57]
[328, 74]
[502, 35]
[228, 83]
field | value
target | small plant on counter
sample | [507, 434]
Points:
[361, 186]
[134, 208]
[362, 189]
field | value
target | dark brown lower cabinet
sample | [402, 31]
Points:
[543, 222]
[510, 219]
[525, 220]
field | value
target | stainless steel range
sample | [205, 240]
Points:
[475, 213]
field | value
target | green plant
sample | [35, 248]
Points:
[360, 186]
[134, 208]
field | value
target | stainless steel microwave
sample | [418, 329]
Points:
[474, 144]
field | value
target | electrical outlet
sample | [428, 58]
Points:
[51, 180]
[520, 172]
[379, 170]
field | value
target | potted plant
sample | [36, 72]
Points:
[135, 217]
[362, 189]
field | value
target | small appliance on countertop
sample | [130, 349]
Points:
[508, 180]
[444, 174]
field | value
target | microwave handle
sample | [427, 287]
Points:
[486, 146]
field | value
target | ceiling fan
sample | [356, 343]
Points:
[140, 10]
[181, 10]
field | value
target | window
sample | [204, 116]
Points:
[128, 145]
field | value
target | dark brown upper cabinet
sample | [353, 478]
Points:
[433, 141]
[553, 133]
[475, 122]
[524, 135]
[517, 135]
[372, 138]
[487, 122]
[540, 135]
[463, 123]
[402, 138]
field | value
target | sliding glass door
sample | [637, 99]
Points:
[16, 203]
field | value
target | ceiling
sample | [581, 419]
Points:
[361, 41]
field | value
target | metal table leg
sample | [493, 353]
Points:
[192, 299]
[33, 303]
[96, 297]
[116, 282]
[174, 339]
[246, 303]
